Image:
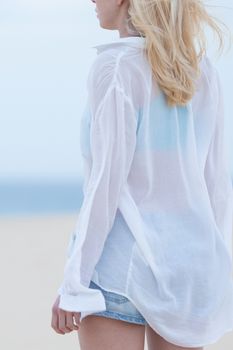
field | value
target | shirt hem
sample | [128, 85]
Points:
[171, 339]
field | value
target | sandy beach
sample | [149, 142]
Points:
[32, 254]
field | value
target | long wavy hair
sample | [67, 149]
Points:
[175, 42]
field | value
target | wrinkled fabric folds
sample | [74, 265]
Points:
[155, 224]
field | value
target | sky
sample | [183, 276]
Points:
[46, 52]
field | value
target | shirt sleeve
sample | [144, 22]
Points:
[112, 144]
[217, 174]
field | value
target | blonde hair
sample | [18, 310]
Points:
[171, 29]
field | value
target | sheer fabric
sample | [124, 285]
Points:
[155, 224]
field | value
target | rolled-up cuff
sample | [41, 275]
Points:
[89, 302]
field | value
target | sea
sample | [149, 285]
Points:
[30, 198]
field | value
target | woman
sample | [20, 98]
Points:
[151, 250]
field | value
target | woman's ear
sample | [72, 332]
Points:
[120, 2]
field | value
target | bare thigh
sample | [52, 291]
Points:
[156, 342]
[103, 333]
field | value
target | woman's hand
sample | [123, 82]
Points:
[63, 321]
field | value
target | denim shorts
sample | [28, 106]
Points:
[118, 307]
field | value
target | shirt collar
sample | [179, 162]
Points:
[135, 41]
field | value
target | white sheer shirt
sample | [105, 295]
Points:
[155, 224]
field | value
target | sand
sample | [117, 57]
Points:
[32, 252]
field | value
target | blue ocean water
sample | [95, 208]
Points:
[23, 198]
[40, 198]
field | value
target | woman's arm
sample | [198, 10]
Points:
[112, 143]
[217, 173]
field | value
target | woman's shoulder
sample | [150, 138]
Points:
[103, 67]
[118, 62]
